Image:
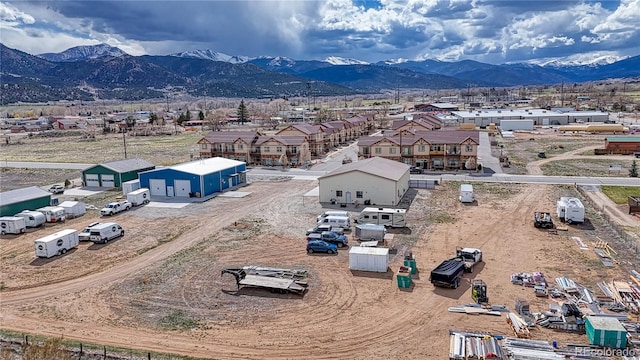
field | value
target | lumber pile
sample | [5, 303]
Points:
[518, 325]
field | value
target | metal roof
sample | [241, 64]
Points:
[24, 194]
[377, 166]
[631, 139]
[126, 165]
[207, 166]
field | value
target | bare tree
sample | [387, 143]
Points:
[215, 120]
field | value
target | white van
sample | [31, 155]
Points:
[56, 243]
[101, 233]
[12, 225]
[332, 213]
[337, 221]
[32, 219]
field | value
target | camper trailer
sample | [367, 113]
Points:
[466, 193]
[12, 225]
[570, 210]
[139, 197]
[32, 219]
[73, 209]
[383, 216]
[57, 243]
[53, 214]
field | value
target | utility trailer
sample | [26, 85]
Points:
[542, 220]
[275, 280]
[448, 273]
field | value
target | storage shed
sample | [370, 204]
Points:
[373, 181]
[73, 209]
[623, 145]
[114, 173]
[200, 178]
[369, 259]
[606, 331]
[14, 201]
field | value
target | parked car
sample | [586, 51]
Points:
[321, 246]
[330, 237]
[56, 189]
[319, 229]
[415, 170]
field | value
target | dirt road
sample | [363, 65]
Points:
[345, 314]
[533, 167]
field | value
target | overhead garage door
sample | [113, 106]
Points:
[182, 187]
[157, 187]
[92, 180]
[107, 181]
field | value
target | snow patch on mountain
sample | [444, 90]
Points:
[335, 60]
[84, 52]
[212, 55]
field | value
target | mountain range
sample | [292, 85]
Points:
[104, 72]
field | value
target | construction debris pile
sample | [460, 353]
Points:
[468, 345]
[530, 349]
[518, 325]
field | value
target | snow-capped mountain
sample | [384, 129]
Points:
[395, 61]
[212, 55]
[79, 53]
[577, 60]
[335, 60]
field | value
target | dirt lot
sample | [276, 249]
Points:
[159, 287]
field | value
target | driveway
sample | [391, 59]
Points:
[485, 157]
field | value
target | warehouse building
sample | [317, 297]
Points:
[623, 145]
[31, 198]
[112, 174]
[540, 117]
[373, 181]
[200, 178]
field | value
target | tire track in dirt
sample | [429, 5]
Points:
[533, 167]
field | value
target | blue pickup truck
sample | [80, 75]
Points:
[330, 237]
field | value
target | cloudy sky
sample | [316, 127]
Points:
[492, 31]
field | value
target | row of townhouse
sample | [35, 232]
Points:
[294, 145]
[434, 150]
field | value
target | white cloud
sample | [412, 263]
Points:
[10, 16]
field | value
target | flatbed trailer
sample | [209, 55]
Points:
[284, 282]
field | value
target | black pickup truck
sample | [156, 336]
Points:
[448, 273]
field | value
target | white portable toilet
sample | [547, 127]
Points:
[466, 193]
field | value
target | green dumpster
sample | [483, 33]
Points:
[410, 261]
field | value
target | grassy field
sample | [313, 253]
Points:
[161, 150]
[578, 167]
[620, 194]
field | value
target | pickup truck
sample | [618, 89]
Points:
[319, 229]
[330, 237]
[115, 207]
[470, 256]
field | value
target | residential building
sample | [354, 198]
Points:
[435, 150]
[235, 145]
[281, 150]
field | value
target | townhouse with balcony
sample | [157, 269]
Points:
[282, 150]
[316, 135]
[432, 150]
[235, 145]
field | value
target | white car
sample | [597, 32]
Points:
[56, 189]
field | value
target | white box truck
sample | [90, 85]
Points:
[73, 209]
[466, 193]
[139, 197]
[53, 214]
[383, 216]
[32, 219]
[57, 243]
[103, 232]
[12, 225]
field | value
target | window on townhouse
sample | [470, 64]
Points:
[392, 150]
[338, 193]
[204, 146]
[365, 150]
[469, 148]
[279, 149]
[435, 148]
[266, 149]
[378, 150]
[359, 195]
[421, 148]
[293, 149]
[240, 147]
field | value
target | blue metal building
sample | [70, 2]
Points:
[200, 178]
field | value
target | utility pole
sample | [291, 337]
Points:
[124, 142]
[562, 94]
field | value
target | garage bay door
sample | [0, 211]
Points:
[157, 187]
[92, 180]
[107, 181]
[182, 187]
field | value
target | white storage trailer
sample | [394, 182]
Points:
[383, 216]
[139, 197]
[12, 225]
[73, 209]
[466, 193]
[57, 243]
[369, 259]
[570, 210]
[53, 214]
[370, 232]
[32, 219]
[129, 186]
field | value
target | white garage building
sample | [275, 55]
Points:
[374, 181]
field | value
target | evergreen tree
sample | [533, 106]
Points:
[153, 118]
[633, 172]
[201, 115]
[243, 113]
[188, 115]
